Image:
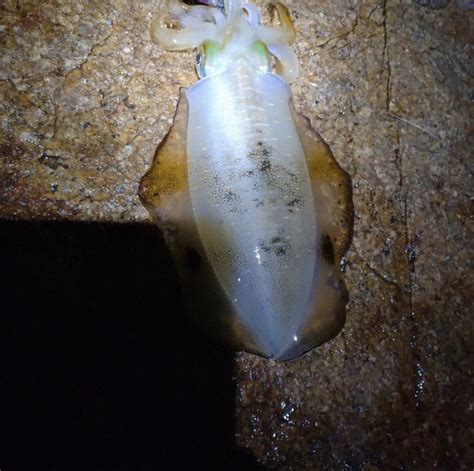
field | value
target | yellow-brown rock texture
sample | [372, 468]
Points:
[85, 99]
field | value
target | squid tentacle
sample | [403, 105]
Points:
[208, 14]
[232, 9]
[189, 17]
[253, 14]
[181, 39]
[190, 26]
[286, 23]
[270, 35]
[287, 65]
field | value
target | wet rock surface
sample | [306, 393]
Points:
[86, 98]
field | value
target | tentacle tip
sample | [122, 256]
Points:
[154, 25]
[284, 18]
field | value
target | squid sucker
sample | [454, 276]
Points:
[254, 208]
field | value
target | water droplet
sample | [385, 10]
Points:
[287, 410]
[411, 253]
[343, 264]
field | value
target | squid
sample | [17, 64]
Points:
[254, 208]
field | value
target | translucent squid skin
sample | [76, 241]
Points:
[253, 206]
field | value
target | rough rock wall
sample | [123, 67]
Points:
[86, 98]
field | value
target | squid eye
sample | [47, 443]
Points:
[200, 62]
[260, 56]
[207, 58]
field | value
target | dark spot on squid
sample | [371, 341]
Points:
[294, 202]
[260, 151]
[327, 250]
[265, 165]
[277, 246]
[281, 250]
[193, 260]
[230, 196]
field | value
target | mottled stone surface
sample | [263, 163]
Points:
[86, 98]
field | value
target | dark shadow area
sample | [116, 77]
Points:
[99, 368]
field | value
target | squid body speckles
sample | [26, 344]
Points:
[253, 206]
